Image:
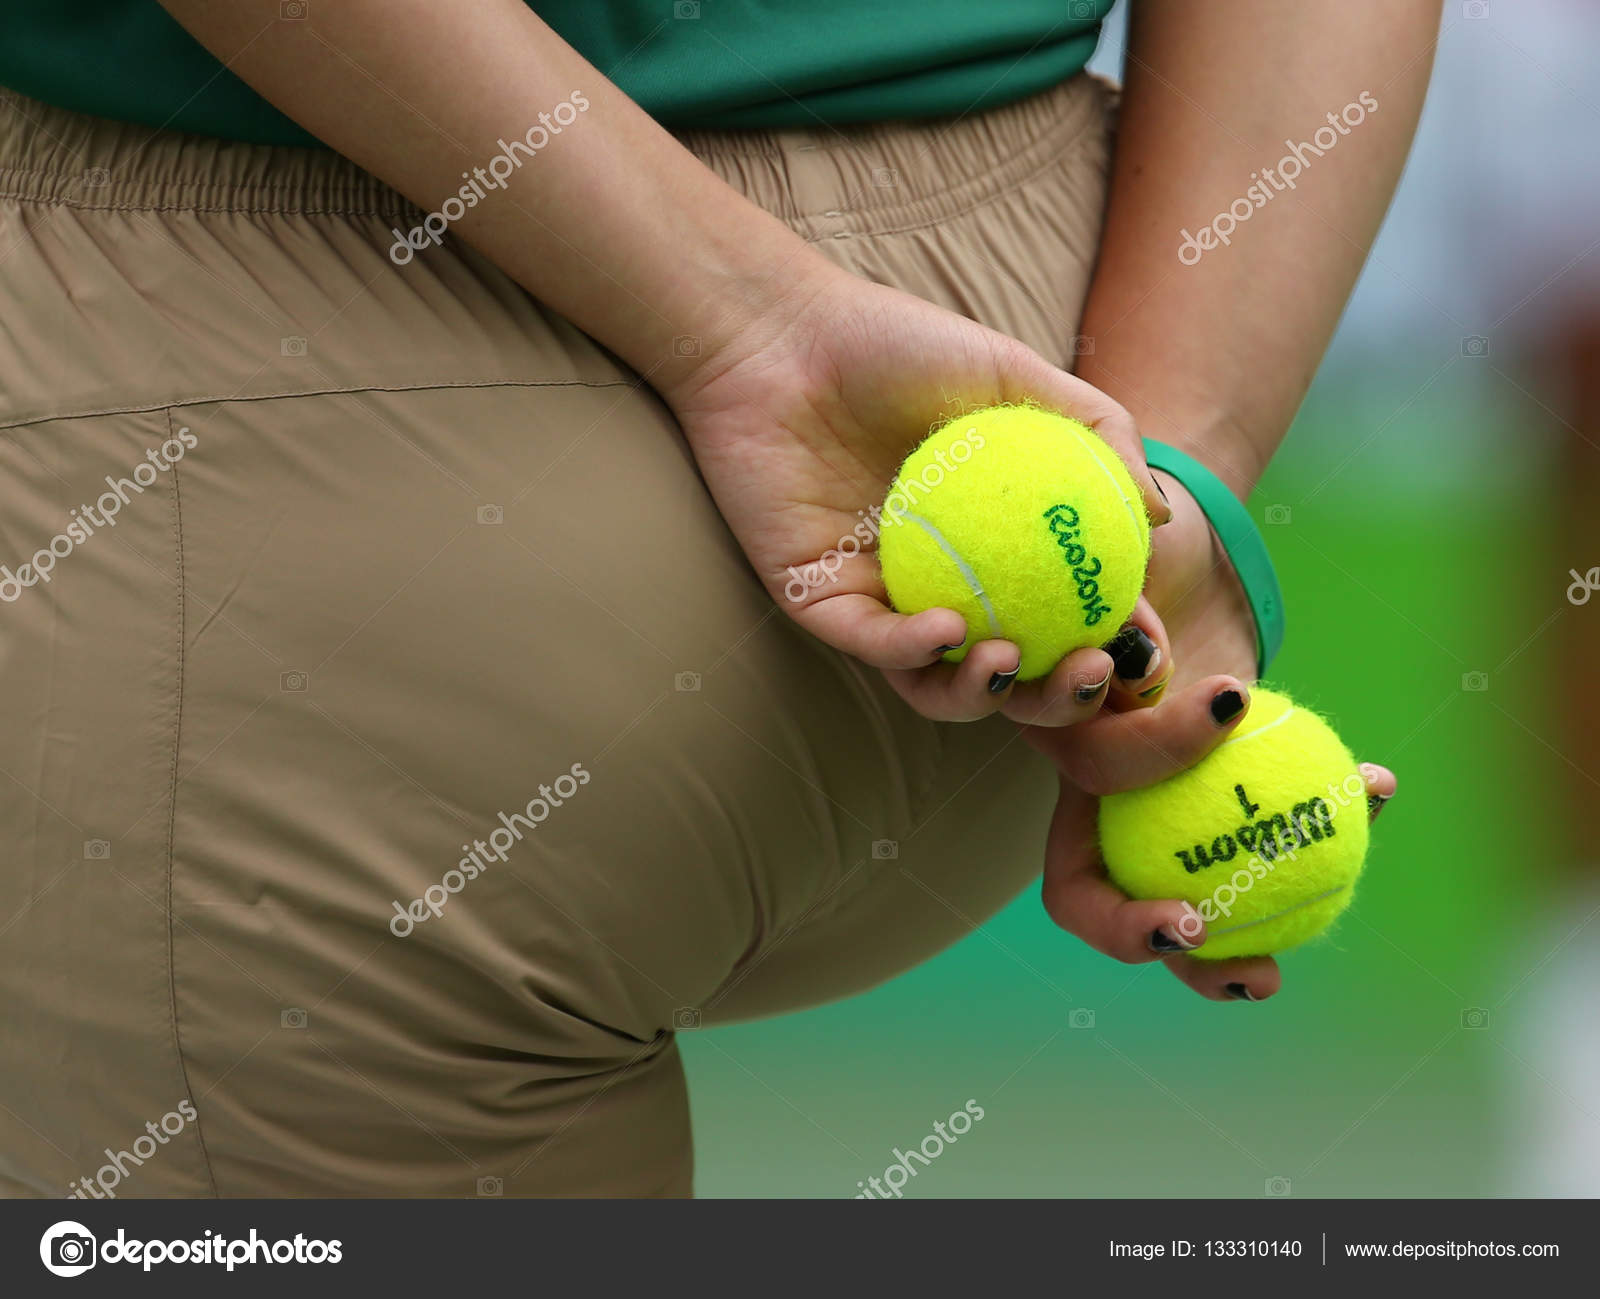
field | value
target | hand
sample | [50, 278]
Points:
[1205, 626]
[1133, 750]
[1208, 628]
[798, 428]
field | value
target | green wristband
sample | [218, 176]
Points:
[1240, 538]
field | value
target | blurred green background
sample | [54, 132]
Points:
[1425, 1049]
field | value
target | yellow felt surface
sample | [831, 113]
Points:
[1044, 515]
[1285, 759]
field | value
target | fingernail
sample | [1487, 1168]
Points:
[1225, 706]
[1087, 694]
[1160, 489]
[945, 649]
[1155, 691]
[1241, 993]
[1163, 942]
[1000, 682]
[1134, 654]
[1375, 804]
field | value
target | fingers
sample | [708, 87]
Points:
[1110, 928]
[1249, 978]
[1142, 654]
[866, 628]
[1121, 751]
[964, 692]
[1072, 693]
[1131, 672]
[1080, 899]
[910, 650]
[985, 682]
[1381, 784]
[1037, 379]
[1089, 907]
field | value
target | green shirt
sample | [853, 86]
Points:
[711, 63]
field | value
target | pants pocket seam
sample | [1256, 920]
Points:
[172, 808]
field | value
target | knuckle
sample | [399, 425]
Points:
[1114, 420]
[1123, 951]
[1055, 905]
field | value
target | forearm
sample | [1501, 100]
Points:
[1214, 351]
[612, 223]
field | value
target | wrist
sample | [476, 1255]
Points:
[747, 298]
[1237, 540]
[1208, 430]
[1221, 444]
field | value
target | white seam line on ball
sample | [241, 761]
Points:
[1298, 906]
[1260, 730]
[1116, 485]
[962, 567]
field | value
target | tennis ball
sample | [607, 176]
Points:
[1026, 524]
[1265, 836]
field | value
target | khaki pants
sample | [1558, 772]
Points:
[395, 748]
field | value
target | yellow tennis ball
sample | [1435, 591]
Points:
[1265, 836]
[1023, 521]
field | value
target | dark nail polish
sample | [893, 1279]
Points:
[1088, 694]
[1133, 653]
[1161, 942]
[1000, 682]
[1239, 992]
[1227, 705]
[1154, 692]
[1160, 489]
[945, 649]
[1375, 804]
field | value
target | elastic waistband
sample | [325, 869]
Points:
[883, 176]
[897, 175]
[51, 155]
